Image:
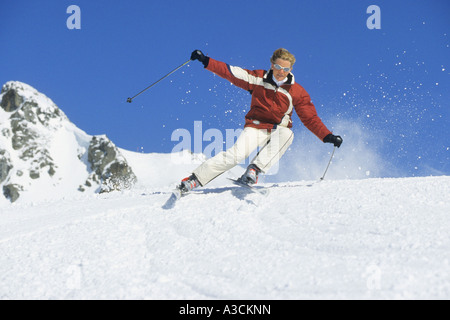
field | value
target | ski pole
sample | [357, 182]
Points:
[331, 158]
[131, 99]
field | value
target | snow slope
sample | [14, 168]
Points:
[335, 239]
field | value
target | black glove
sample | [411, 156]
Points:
[198, 55]
[331, 138]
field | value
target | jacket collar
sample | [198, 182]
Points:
[268, 78]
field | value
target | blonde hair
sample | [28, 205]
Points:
[283, 54]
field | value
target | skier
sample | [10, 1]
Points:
[268, 124]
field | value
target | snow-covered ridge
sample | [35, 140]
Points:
[45, 156]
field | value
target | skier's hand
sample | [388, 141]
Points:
[331, 138]
[198, 55]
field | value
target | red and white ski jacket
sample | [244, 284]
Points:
[272, 106]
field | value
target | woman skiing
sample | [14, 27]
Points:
[275, 95]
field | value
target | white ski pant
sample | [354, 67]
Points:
[273, 144]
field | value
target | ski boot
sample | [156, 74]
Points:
[250, 176]
[188, 184]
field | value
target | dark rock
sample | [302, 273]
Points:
[11, 192]
[11, 100]
[5, 165]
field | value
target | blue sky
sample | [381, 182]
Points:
[391, 84]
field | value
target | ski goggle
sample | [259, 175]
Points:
[278, 67]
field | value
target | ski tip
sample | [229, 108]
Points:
[174, 197]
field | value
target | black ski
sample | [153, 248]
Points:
[261, 190]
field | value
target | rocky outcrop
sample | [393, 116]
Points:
[109, 167]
